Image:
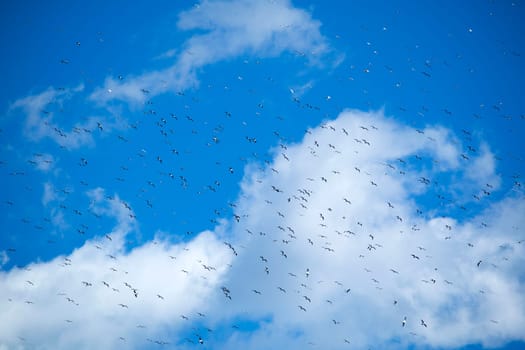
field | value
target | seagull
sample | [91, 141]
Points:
[404, 321]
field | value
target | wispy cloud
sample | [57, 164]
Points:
[224, 30]
[50, 194]
[330, 247]
[41, 111]
[43, 162]
[40, 123]
[4, 258]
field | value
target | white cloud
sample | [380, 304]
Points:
[44, 162]
[344, 209]
[225, 30]
[40, 122]
[466, 304]
[4, 258]
[50, 194]
[49, 305]
[482, 169]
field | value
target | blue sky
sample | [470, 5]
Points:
[262, 174]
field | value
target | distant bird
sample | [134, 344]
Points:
[226, 292]
[404, 323]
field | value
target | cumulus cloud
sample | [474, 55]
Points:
[338, 224]
[103, 296]
[331, 246]
[224, 30]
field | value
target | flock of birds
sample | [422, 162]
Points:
[165, 160]
[285, 236]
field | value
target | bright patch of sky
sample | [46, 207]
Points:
[237, 174]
